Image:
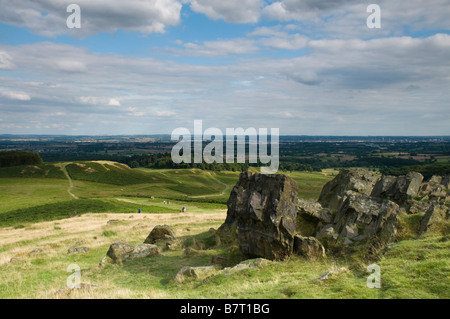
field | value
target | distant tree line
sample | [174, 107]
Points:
[17, 158]
[164, 161]
[426, 170]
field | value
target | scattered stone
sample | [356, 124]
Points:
[197, 273]
[308, 247]
[120, 251]
[78, 250]
[15, 260]
[144, 250]
[36, 251]
[337, 272]
[246, 264]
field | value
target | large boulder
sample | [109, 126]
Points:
[120, 251]
[358, 180]
[398, 189]
[362, 219]
[160, 232]
[262, 210]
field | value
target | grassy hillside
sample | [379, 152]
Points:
[36, 193]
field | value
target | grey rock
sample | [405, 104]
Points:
[78, 250]
[255, 263]
[262, 211]
[196, 273]
[160, 232]
[362, 219]
[119, 251]
[398, 189]
[334, 193]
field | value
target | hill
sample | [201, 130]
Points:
[33, 193]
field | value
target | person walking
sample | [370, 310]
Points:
[139, 210]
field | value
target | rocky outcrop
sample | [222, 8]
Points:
[357, 207]
[362, 219]
[398, 189]
[261, 216]
[334, 193]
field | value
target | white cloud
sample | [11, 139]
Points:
[114, 102]
[48, 17]
[237, 11]
[5, 61]
[19, 96]
[220, 48]
[71, 66]
[354, 80]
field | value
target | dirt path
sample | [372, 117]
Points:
[64, 170]
[225, 190]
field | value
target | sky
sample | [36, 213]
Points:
[306, 67]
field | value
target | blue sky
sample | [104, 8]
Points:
[149, 66]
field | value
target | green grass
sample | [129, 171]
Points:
[66, 209]
[20, 193]
[32, 171]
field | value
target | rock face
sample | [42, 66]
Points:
[398, 189]
[119, 251]
[362, 218]
[358, 180]
[261, 216]
[360, 211]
